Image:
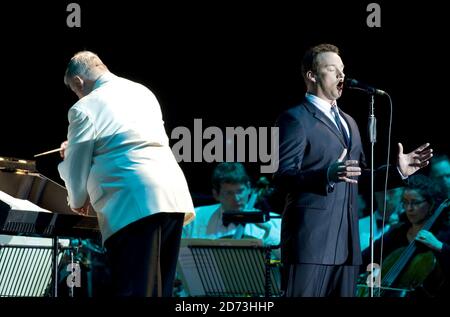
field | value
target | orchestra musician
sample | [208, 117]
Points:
[421, 198]
[233, 191]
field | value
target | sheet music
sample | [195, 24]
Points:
[20, 204]
[189, 272]
[207, 264]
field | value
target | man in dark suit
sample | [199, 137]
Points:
[320, 154]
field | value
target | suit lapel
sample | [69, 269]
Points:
[325, 120]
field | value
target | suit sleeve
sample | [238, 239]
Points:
[394, 180]
[292, 146]
[75, 168]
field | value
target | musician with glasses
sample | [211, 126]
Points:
[420, 200]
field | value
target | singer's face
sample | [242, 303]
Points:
[329, 76]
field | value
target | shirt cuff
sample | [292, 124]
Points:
[401, 175]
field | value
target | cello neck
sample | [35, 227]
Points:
[430, 222]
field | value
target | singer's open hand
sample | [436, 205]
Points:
[415, 160]
[341, 170]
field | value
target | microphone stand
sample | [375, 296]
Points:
[372, 129]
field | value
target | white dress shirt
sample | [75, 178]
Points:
[208, 225]
[325, 107]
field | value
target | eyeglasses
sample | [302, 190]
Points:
[412, 203]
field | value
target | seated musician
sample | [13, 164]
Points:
[393, 214]
[421, 198]
[232, 190]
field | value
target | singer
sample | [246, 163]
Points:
[321, 162]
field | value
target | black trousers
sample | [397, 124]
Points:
[143, 256]
[316, 280]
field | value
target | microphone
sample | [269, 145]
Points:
[354, 84]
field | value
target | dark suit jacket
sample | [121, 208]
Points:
[320, 222]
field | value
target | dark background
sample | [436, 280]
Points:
[225, 62]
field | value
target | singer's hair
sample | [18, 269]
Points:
[229, 172]
[309, 61]
[85, 64]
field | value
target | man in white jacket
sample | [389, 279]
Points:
[117, 159]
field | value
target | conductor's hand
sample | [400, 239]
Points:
[63, 147]
[84, 210]
[341, 170]
[415, 160]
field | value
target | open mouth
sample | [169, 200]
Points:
[340, 85]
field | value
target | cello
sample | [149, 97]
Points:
[403, 268]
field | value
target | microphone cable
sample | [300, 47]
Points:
[385, 190]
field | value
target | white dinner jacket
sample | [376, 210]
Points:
[118, 156]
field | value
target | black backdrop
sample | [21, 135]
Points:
[231, 63]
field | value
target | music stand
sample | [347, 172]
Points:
[26, 265]
[227, 267]
[19, 179]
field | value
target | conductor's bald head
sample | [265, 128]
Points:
[83, 70]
